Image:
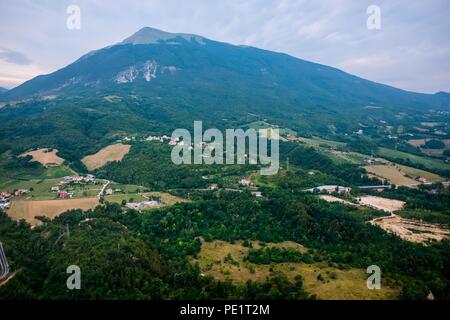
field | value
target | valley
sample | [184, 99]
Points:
[87, 178]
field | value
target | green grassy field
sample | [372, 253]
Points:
[41, 188]
[319, 142]
[127, 188]
[82, 191]
[119, 197]
[263, 125]
[427, 162]
[416, 173]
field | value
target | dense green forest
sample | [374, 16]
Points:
[159, 243]
[277, 255]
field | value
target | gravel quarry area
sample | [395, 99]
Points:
[379, 203]
[412, 230]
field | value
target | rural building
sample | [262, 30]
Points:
[55, 189]
[245, 182]
[423, 180]
[257, 194]
[65, 195]
[21, 192]
[78, 179]
[6, 194]
[4, 205]
[213, 186]
[330, 189]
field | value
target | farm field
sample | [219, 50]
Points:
[417, 142]
[129, 197]
[336, 284]
[430, 152]
[317, 142]
[127, 188]
[427, 162]
[391, 173]
[353, 157]
[166, 198]
[45, 157]
[264, 125]
[114, 152]
[420, 142]
[83, 191]
[41, 188]
[417, 173]
[52, 172]
[28, 210]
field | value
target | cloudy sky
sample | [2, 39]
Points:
[411, 50]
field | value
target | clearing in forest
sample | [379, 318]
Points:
[45, 156]
[391, 173]
[329, 198]
[332, 284]
[379, 203]
[114, 152]
[28, 210]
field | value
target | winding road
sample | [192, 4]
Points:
[3, 264]
[101, 193]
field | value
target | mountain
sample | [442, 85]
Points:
[157, 81]
[152, 58]
[2, 90]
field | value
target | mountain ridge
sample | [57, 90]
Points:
[149, 35]
[157, 87]
[317, 76]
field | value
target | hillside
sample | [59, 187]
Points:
[156, 81]
[151, 58]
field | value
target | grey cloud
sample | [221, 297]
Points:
[13, 56]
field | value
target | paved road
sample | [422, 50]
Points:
[3, 263]
[100, 194]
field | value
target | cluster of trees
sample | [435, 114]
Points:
[309, 158]
[149, 164]
[434, 144]
[277, 255]
[363, 145]
[13, 166]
